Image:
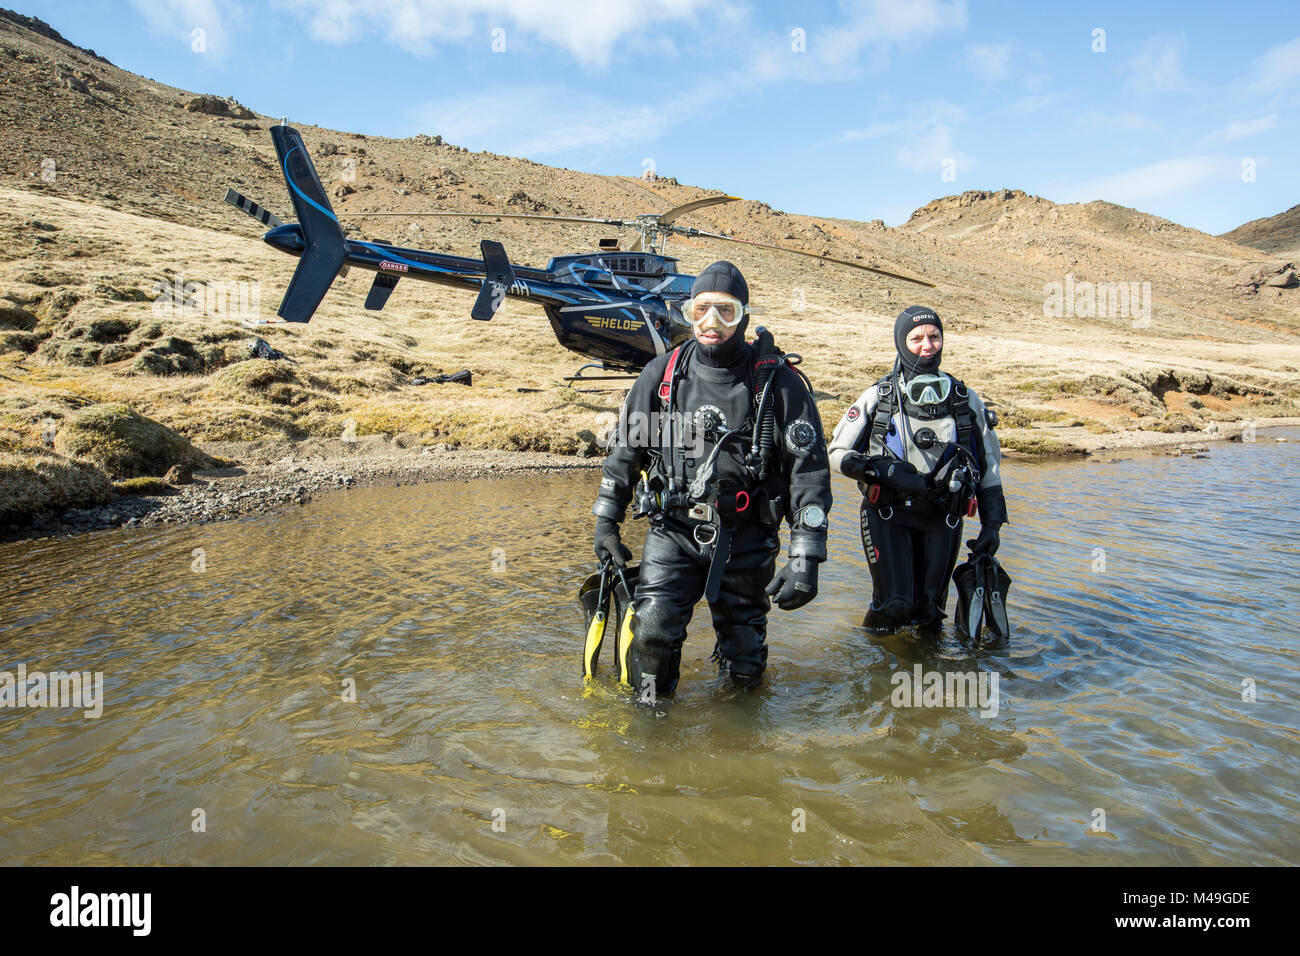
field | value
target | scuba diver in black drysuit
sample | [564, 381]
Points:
[922, 447]
[717, 442]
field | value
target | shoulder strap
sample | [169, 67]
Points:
[961, 411]
[665, 387]
[883, 416]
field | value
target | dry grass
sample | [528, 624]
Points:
[136, 210]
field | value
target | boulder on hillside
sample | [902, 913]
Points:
[219, 106]
[1280, 276]
[125, 444]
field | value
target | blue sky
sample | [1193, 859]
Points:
[864, 109]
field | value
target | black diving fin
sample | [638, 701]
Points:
[982, 587]
[996, 583]
[970, 597]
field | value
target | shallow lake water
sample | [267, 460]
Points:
[1151, 596]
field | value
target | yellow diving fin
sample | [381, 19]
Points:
[594, 596]
[623, 640]
[595, 638]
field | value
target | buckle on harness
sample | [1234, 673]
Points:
[740, 509]
[700, 512]
[710, 534]
[873, 494]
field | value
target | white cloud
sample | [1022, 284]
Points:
[178, 20]
[1158, 68]
[1278, 67]
[1117, 120]
[989, 61]
[1148, 182]
[588, 124]
[588, 32]
[929, 149]
[876, 26]
[1242, 129]
[922, 141]
[925, 116]
[1031, 103]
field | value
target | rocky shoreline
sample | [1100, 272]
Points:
[273, 475]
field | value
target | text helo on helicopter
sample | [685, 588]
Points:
[617, 307]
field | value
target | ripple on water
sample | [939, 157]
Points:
[382, 675]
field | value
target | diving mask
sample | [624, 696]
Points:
[725, 309]
[928, 389]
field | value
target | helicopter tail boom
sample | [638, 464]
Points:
[326, 250]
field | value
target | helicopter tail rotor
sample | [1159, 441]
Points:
[498, 277]
[325, 250]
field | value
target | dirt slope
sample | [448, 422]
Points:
[1278, 234]
[132, 202]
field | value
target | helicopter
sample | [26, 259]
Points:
[618, 308]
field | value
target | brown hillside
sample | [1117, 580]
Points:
[140, 168]
[1278, 234]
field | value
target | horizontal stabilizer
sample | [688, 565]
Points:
[497, 279]
[380, 290]
[244, 204]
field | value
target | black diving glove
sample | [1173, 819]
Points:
[902, 476]
[795, 584]
[988, 540]
[897, 474]
[858, 466]
[993, 515]
[608, 542]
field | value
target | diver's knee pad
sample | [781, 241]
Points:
[654, 659]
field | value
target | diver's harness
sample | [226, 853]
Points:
[954, 498]
[705, 502]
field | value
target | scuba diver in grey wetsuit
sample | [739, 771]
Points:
[922, 447]
[738, 446]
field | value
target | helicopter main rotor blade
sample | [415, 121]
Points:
[621, 223]
[679, 211]
[681, 230]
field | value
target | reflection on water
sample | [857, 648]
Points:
[1146, 592]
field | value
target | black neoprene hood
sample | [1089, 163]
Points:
[907, 320]
[722, 276]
